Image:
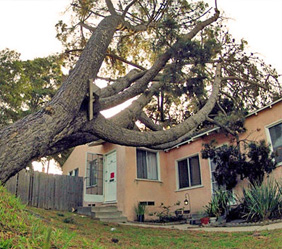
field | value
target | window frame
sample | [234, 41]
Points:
[89, 183]
[157, 161]
[73, 172]
[268, 136]
[211, 177]
[188, 166]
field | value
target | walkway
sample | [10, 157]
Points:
[271, 226]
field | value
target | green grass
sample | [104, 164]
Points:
[25, 227]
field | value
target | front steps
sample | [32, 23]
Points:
[105, 213]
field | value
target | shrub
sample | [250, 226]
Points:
[231, 164]
[262, 202]
[220, 203]
[140, 209]
[166, 215]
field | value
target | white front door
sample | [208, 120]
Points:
[110, 177]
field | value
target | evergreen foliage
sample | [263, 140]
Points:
[232, 165]
[25, 86]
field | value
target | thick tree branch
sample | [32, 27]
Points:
[111, 7]
[65, 115]
[143, 118]
[175, 142]
[159, 64]
[103, 127]
[121, 83]
[36, 133]
[88, 27]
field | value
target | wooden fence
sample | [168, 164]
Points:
[41, 190]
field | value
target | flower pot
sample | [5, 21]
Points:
[205, 220]
[212, 219]
[140, 218]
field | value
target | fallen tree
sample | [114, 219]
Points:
[73, 116]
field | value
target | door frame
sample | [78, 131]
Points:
[90, 197]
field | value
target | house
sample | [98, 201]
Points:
[124, 176]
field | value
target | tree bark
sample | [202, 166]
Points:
[63, 122]
[32, 136]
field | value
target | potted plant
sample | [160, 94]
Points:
[219, 204]
[212, 210]
[140, 210]
[205, 220]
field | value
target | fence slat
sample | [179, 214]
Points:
[59, 192]
[11, 185]
[23, 186]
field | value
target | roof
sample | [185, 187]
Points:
[201, 134]
[215, 129]
[265, 107]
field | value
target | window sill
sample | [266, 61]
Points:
[189, 188]
[92, 186]
[146, 180]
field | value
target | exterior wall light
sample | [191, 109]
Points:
[187, 199]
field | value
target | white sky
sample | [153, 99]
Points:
[260, 23]
[28, 26]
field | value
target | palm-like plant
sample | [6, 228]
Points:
[263, 202]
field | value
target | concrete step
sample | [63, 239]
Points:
[105, 213]
[85, 211]
[104, 209]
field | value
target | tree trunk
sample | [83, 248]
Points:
[30, 137]
[63, 123]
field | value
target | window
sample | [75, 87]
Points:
[147, 203]
[92, 173]
[275, 133]
[74, 172]
[147, 165]
[189, 174]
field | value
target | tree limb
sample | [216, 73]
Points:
[245, 80]
[88, 27]
[235, 134]
[175, 142]
[128, 7]
[159, 64]
[125, 61]
[143, 118]
[121, 83]
[103, 127]
[111, 7]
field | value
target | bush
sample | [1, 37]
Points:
[166, 215]
[220, 203]
[140, 209]
[231, 164]
[262, 202]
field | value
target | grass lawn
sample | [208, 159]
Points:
[25, 227]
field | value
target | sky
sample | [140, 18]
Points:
[260, 23]
[28, 26]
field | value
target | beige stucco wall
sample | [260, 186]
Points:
[131, 190]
